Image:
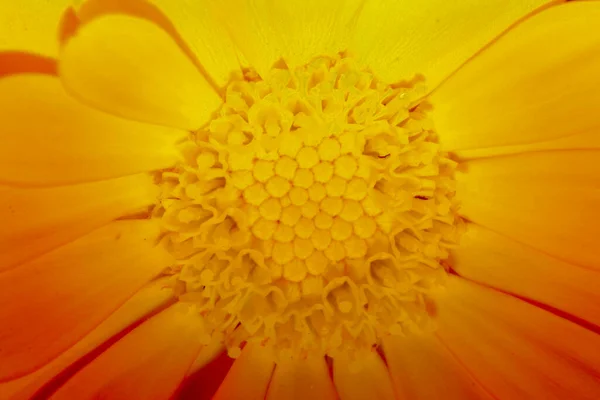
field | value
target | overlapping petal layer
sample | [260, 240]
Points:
[548, 200]
[35, 221]
[538, 82]
[131, 67]
[514, 349]
[51, 302]
[145, 302]
[48, 138]
[149, 363]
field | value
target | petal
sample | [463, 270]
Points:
[52, 302]
[368, 380]
[148, 363]
[249, 375]
[207, 38]
[492, 259]
[433, 38]
[140, 306]
[207, 355]
[36, 221]
[27, 24]
[301, 379]
[548, 200]
[46, 136]
[422, 368]
[203, 384]
[538, 82]
[130, 67]
[266, 31]
[200, 36]
[516, 350]
[579, 141]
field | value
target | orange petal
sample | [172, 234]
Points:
[249, 375]
[132, 68]
[548, 200]
[148, 363]
[516, 350]
[400, 39]
[47, 136]
[301, 379]
[295, 30]
[368, 380]
[150, 298]
[207, 355]
[538, 82]
[422, 368]
[495, 260]
[35, 221]
[52, 302]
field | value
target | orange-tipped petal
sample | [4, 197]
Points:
[35, 221]
[52, 302]
[249, 376]
[497, 261]
[152, 297]
[48, 138]
[514, 349]
[538, 82]
[130, 67]
[299, 379]
[148, 363]
[400, 39]
[367, 378]
[422, 368]
[548, 200]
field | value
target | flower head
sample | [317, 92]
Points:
[349, 198]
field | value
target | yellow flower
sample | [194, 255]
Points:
[303, 199]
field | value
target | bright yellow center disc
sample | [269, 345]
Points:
[313, 212]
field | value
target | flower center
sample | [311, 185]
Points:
[313, 212]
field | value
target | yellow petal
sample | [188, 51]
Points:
[516, 350]
[368, 380]
[206, 37]
[538, 82]
[52, 302]
[35, 221]
[266, 31]
[48, 138]
[548, 200]
[130, 67]
[422, 368]
[301, 379]
[31, 25]
[399, 39]
[579, 141]
[200, 36]
[497, 261]
[148, 363]
[141, 305]
[249, 375]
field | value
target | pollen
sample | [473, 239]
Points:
[313, 213]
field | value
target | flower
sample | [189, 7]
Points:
[351, 198]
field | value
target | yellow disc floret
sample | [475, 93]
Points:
[313, 212]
